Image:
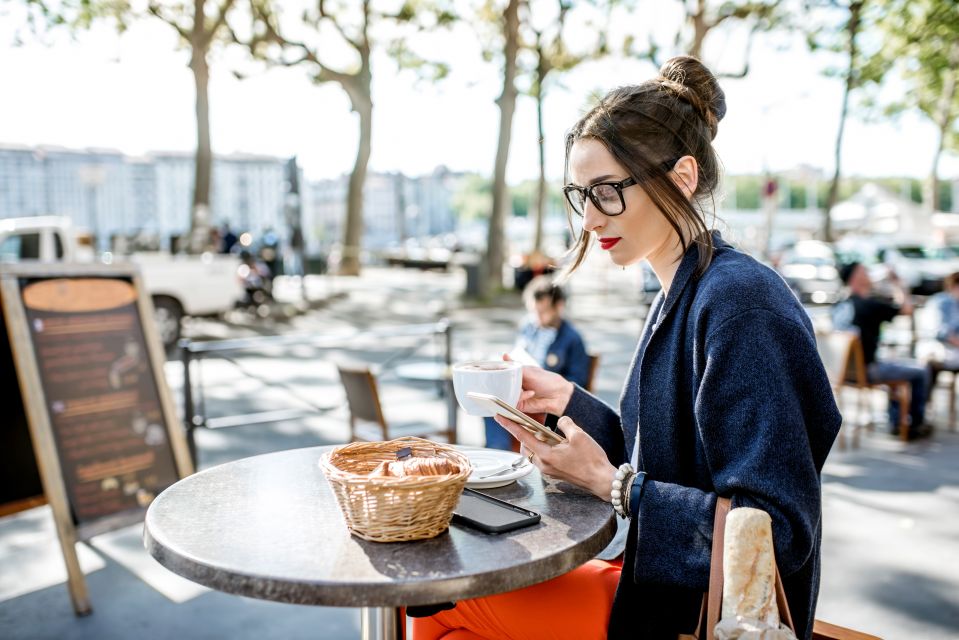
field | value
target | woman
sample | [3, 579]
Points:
[726, 395]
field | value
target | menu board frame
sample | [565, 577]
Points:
[37, 409]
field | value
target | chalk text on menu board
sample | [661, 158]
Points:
[101, 396]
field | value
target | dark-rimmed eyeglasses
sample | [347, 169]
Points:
[606, 196]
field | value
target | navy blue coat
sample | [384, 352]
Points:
[729, 397]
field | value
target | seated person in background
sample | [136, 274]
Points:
[860, 312]
[550, 339]
[946, 304]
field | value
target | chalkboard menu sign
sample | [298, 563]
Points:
[101, 397]
[104, 435]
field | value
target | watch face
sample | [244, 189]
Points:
[552, 360]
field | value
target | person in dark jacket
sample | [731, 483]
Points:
[549, 339]
[726, 395]
[865, 314]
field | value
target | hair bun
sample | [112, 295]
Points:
[692, 81]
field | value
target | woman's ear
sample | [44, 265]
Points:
[685, 174]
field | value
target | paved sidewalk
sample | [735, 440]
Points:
[890, 517]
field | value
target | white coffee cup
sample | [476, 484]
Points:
[501, 378]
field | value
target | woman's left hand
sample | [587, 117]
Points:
[580, 460]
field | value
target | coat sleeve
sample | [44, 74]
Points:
[766, 418]
[599, 420]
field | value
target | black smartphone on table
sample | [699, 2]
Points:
[491, 515]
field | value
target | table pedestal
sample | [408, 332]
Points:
[382, 623]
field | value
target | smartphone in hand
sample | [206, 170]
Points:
[503, 408]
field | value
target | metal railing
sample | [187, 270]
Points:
[194, 403]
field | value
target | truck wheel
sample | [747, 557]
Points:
[167, 314]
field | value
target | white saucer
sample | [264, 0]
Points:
[486, 461]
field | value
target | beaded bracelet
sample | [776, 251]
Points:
[624, 477]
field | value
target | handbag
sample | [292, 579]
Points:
[712, 601]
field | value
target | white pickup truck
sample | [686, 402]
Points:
[179, 285]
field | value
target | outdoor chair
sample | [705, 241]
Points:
[842, 356]
[938, 367]
[591, 374]
[825, 631]
[367, 421]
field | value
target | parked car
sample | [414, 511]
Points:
[179, 285]
[921, 267]
[809, 268]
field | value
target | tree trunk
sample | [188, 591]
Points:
[700, 29]
[353, 233]
[853, 29]
[930, 187]
[200, 215]
[943, 119]
[493, 280]
[541, 72]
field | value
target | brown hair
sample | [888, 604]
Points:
[542, 288]
[950, 281]
[653, 124]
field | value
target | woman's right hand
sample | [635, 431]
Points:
[544, 392]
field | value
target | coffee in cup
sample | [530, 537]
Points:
[501, 378]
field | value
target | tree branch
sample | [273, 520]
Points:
[157, 12]
[746, 56]
[339, 28]
[224, 9]
[265, 17]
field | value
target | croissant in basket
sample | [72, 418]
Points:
[432, 466]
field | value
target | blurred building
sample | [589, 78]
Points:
[395, 207]
[99, 190]
[248, 192]
[109, 193]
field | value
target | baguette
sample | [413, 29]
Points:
[749, 567]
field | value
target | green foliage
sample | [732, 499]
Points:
[701, 19]
[795, 196]
[473, 199]
[745, 191]
[917, 41]
[408, 59]
[76, 15]
[523, 198]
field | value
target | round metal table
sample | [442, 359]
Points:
[268, 527]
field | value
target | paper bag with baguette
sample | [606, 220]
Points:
[749, 610]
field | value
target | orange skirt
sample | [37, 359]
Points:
[575, 605]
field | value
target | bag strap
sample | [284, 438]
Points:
[714, 598]
[784, 616]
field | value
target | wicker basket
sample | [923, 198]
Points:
[388, 509]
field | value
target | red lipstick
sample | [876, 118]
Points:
[608, 243]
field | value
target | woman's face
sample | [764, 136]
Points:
[641, 231]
